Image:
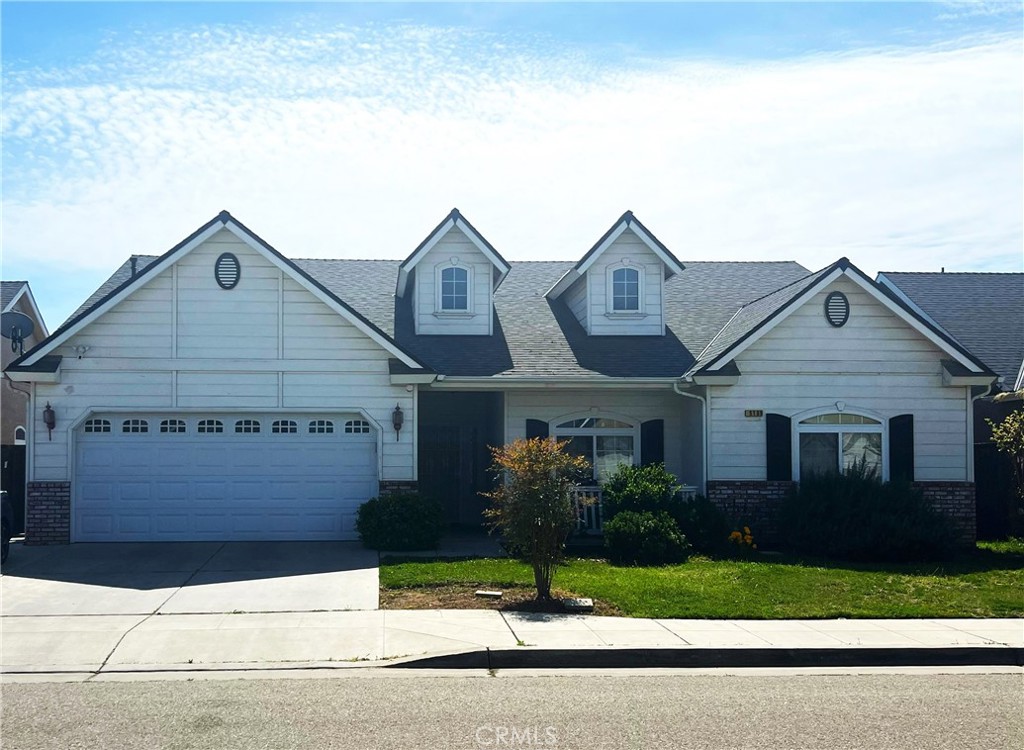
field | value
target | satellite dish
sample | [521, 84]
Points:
[16, 326]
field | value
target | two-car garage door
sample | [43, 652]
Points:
[166, 477]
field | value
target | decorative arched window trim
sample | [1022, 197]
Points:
[20, 435]
[800, 426]
[598, 447]
[626, 312]
[357, 427]
[441, 300]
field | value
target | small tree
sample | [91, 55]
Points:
[1008, 436]
[534, 507]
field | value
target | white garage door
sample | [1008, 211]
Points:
[221, 477]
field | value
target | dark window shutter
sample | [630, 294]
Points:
[652, 442]
[901, 448]
[778, 441]
[536, 428]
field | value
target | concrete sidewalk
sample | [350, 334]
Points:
[273, 640]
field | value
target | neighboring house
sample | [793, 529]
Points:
[985, 313]
[222, 391]
[16, 296]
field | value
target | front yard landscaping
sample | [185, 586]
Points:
[987, 583]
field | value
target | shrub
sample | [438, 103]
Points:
[533, 507]
[705, 525]
[401, 522]
[854, 516]
[1008, 436]
[644, 538]
[640, 488]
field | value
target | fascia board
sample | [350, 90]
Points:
[612, 236]
[797, 302]
[413, 379]
[892, 287]
[482, 246]
[568, 278]
[670, 264]
[422, 250]
[143, 277]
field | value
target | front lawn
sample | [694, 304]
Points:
[987, 583]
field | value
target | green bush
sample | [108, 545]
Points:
[855, 516]
[400, 522]
[640, 488]
[644, 538]
[705, 525]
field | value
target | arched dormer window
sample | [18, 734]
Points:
[625, 290]
[453, 289]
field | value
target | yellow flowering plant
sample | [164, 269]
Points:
[742, 541]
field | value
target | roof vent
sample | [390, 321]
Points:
[837, 309]
[227, 270]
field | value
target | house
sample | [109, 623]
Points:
[223, 391]
[992, 327]
[16, 297]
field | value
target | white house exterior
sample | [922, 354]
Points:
[222, 391]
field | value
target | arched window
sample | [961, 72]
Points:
[284, 427]
[357, 427]
[19, 435]
[135, 426]
[173, 426]
[625, 290]
[831, 443]
[321, 427]
[454, 289]
[210, 427]
[605, 442]
[247, 426]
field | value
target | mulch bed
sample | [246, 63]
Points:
[514, 599]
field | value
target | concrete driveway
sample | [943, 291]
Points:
[188, 578]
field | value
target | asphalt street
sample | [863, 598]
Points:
[405, 711]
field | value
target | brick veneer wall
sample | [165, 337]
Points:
[750, 502]
[48, 513]
[956, 501]
[397, 486]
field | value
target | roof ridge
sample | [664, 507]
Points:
[955, 273]
[786, 286]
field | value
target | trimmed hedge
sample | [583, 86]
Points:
[705, 525]
[644, 538]
[400, 522]
[640, 488]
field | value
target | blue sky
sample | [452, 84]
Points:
[890, 133]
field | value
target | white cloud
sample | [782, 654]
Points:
[354, 142]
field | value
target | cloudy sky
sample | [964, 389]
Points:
[889, 133]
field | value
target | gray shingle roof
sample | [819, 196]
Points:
[982, 311]
[9, 290]
[536, 337]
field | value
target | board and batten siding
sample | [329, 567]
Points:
[429, 318]
[626, 246]
[876, 362]
[683, 455]
[182, 342]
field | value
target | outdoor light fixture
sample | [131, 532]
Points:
[49, 419]
[397, 419]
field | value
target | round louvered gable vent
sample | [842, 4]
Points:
[837, 309]
[227, 270]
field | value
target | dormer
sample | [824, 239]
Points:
[451, 278]
[617, 288]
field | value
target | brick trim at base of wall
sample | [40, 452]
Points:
[956, 501]
[751, 502]
[48, 513]
[397, 486]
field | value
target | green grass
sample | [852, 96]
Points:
[987, 583]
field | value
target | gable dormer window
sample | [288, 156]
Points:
[454, 289]
[625, 290]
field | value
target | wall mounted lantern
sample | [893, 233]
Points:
[397, 419]
[49, 419]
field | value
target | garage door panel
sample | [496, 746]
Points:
[221, 486]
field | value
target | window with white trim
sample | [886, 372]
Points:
[357, 427]
[247, 426]
[321, 427]
[19, 435]
[832, 443]
[173, 426]
[210, 426]
[454, 292]
[284, 427]
[625, 292]
[135, 426]
[604, 442]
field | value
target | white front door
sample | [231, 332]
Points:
[168, 477]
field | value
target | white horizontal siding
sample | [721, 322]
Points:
[626, 246]
[683, 454]
[876, 363]
[576, 299]
[454, 244]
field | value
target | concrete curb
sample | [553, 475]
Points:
[648, 658]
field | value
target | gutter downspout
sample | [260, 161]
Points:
[971, 398]
[704, 425]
